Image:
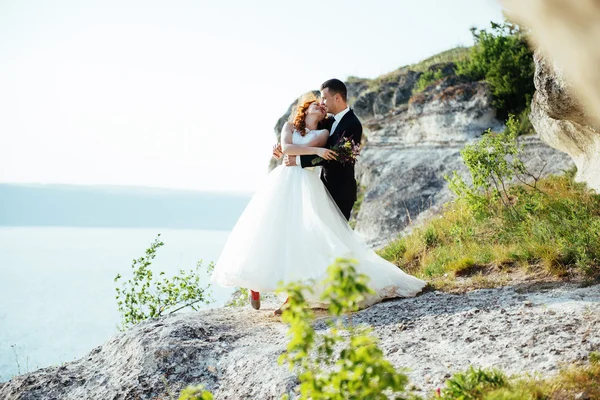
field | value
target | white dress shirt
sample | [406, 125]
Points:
[337, 118]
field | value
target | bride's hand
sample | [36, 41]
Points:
[277, 153]
[326, 154]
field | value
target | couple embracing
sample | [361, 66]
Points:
[296, 224]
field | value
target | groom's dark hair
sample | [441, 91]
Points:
[336, 86]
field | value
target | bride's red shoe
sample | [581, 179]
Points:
[279, 311]
[255, 299]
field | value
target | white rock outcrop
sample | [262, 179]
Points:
[563, 123]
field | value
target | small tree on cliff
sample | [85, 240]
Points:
[502, 57]
[143, 297]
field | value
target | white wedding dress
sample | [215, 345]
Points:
[292, 230]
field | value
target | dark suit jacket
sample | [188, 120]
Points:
[338, 178]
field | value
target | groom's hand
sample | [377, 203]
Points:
[277, 152]
[289, 161]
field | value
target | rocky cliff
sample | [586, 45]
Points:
[563, 123]
[233, 352]
[414, 138]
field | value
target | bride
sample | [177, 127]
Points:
[292, 230]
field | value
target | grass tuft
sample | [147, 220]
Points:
[575, 381]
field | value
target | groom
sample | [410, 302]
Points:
[337, 177]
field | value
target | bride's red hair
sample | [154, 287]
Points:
[299, 121]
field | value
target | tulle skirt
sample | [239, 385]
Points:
[292, 230]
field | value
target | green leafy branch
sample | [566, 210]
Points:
[493, 162]
[143, 297]
[346, 361]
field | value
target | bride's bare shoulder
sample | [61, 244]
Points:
[287, 129]
[322, 133]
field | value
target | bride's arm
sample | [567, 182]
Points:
[315, 146]
[320, 140]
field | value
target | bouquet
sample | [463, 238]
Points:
[347, 151]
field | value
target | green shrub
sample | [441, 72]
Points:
[473, 384]
[427, 78]
[493, 161]
[142, 297]
[394, 251]
[345, 362]
[502, 58]
[195, 393]
[430, 237]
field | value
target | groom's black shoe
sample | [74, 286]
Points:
[255, 299]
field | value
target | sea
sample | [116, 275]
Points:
[57, 289]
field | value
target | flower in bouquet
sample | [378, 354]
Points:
[347, 151]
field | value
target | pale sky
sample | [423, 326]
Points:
[185, 94]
